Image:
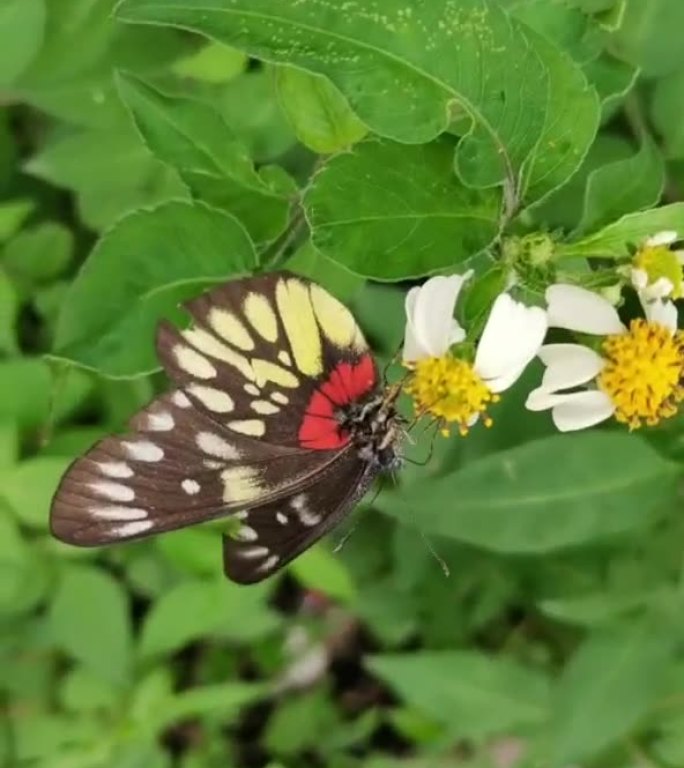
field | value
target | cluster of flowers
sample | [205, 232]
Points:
[633, 373]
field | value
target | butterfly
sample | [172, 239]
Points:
[277, 418]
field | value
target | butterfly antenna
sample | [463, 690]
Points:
[436, 555]
[340, 544]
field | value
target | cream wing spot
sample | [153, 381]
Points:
[116, 469]
[193, 363]
[161, 421]
[250, 427]
[282, 518]
[214, 445]
[296, 312]
[246, 533]
[143, 450]
[284, 357]
[261, 316]
[263, 407]
[115, 512]
[305, 515]
[267, 371]
[268, 564]
[252, 553]
[180, 400]
[211, 346]
[251, 389]
[190, 486]
[133, 528]
[336, 321]
[241, 484]
[215, 400]
[230, 328]
[279, 397]
[113, 491]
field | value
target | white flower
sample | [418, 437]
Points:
[636, 378]
[448, 386]
[656, 271]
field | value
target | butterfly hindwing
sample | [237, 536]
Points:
[272, 534]
[174, 468]
[260, 349]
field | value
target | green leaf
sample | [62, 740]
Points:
[613, 241]
[13, 213]
[107, 184]
[89, 619]
[389, 211]
[556, 492]
[407, 69]
[9, 308]
[139, 272]
[473, 694]
[323, 571]
[622, 187]
[38, 255]
[196, 609]
[610, 684]
[28, 488]
[192, 550]
[650, 36]
[668, 113]
[28, 393]
[213, 63]
[222, 700]
[319, 113]
[194, 138]
[82, 691]
[21, 30]
[309, 262]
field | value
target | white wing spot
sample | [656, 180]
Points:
[279, 397]
[213, 399]
[230, 328]
[211, 346]
[284, 357]
[241, 484]
[116, 512]
[114, 491]
[118, 469]
[241, 514]
[212, 464]
[179, 398]
[282, 518]
[131, 529]
[263, 407]
[162, 421]
[216, 446]
[246, 533]
[190, 486]
[143, 450]
[193, 363]
[267, 565]
[252, 553]
[305, 515]
[251, 389]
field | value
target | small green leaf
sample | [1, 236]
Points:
[213, 63]
[613, 241]
[389, 211]
[223, 701]
[611, 683]
[319, 113]
[139, 272]
[623, 187]
[309, 262]
[12, 215]
[9, 308]
[28, 488]
[21, 29]
[38, 255]
[473, 694]
[323, 571]
[667, 111]
[90, 620]
[556, 492]
[194, 138]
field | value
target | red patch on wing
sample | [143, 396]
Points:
[346, 383]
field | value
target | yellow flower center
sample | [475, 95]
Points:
[643, 373]
[659, 261]
[450, 390]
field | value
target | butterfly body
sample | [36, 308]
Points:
[278, 419]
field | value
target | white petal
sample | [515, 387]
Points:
[661, 289]
[506, 380]
[578, 309]
[568, 365]
[541, 399]
[663, 313]
[665, 237]
[511, 338]
[413, 350]
[430, 315]
[580, 410]
[639, 279]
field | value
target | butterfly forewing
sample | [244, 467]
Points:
[252, 429]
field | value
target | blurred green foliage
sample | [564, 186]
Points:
[141, 161]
